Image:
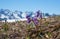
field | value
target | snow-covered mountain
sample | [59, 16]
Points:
[10, 16]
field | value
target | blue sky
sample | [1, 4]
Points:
[46, 6]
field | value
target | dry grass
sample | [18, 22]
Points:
[48, 29]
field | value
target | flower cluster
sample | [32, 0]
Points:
[34, 19]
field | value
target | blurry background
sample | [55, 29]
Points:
[17, 9]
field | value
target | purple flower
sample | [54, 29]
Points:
[28, 19]
[35, 20]
[38, 13]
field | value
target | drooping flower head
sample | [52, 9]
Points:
[39, 14]
[35, 20]
[28, 18]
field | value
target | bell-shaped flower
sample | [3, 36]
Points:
[35, 20]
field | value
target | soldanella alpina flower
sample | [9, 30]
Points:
[39, 14]
[35, 20]
[28, 18]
